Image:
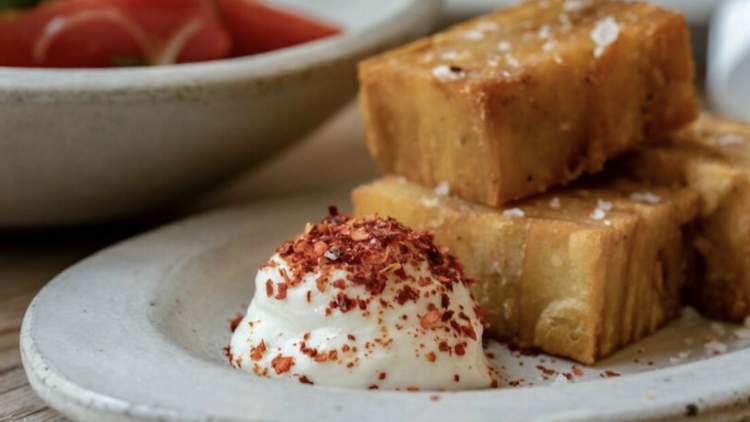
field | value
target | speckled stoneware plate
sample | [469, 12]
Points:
[136, 333]
[87, 145]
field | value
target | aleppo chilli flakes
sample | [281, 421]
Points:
[372, 251]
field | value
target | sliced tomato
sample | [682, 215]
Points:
[166, 21]
[257, 28]
[94, 33]
[15, 43]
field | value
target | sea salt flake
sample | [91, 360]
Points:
[449, 55]
[496, 268]
[504, 46]
[330, 255]
[607, 223]
[680, 357]
[448, 73]
[512, 61]
[574, 5]
[555, 203]
[430, 203]
[715, 346]
[505, 73]
[473, 35]
[727, 140]
[427, 58]
[647, 197]
[433, 224]
[487, 26]
[548, 46]
[560, 380]
[545, 31]
[564, 21]
[442, 189]
[514, 212]
[604, 33]
[604, 205]
[598, 214]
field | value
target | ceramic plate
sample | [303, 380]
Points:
[136, 333]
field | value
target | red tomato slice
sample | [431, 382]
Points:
[15, 43]
[257, 28]
[91, 33]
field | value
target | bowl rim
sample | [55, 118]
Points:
[354, 42]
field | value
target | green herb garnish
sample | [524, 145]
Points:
[10, 5]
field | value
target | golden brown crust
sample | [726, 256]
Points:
[510, 104]
[558, 274]
[711, 157]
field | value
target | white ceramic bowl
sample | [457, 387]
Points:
[89, 145]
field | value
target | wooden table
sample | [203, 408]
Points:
[29, 259]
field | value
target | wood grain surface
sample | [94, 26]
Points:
[27, 262]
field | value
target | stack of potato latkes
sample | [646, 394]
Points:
[556, 149]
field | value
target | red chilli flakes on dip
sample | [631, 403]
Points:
[364, 303]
